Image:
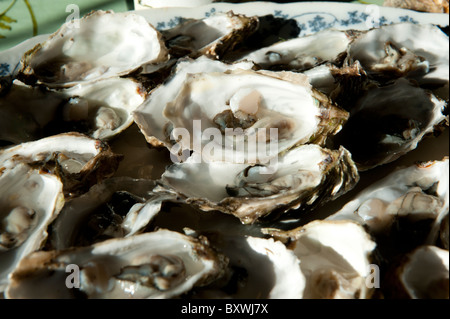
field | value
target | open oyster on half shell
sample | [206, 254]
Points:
[335, 258]
[301, 178]
[212, 36]
[405, 209]
[413, 51]
[420, 274]
[80, 161]
[29, 201]
[237, 106]
[254, 119]
[101, 45]
[160, 264]
[303, 53]
[101, 109]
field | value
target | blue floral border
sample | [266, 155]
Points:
[315, 21]
[5, 69]
[318, 21]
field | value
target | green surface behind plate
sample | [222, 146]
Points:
[49, 16]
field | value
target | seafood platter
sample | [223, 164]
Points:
[228, 151]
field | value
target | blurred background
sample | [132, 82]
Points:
[22, 19]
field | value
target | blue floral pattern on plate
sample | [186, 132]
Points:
[4, 69]
[312, 22]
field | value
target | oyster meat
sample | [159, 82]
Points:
[78, 160]
[29, 201]
[101, 110]
[160, 264]
[415, 51]
[303, 177]
[303, 53]
[417, 192]
[149, 116]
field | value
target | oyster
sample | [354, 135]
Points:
[101, 110]
[435, 6]
[241, 107]
[303, 177]
[161, 264]
[106, 105]
[415, 51]
[212, 36]
[258, 268]
[421, 274]
[78, 160]
[376, 134]
[335, 258]
[104, 44]
[29, 201]
[403, 210]
[115, 208]
[149, 116]
[303, 53]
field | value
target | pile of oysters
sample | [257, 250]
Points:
[138, 163]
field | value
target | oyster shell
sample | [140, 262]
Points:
[376, 134]
[29, 201]
[161, 264]
[104, 45]
[258, 268]
[417, 192]
[212, 36]
[403, 210]
[149, 116]
[414, 51]
[334, 257]
[115, 208]
[303, 53]
[303, 177]
[435, 6]
[421, 274]
[78, 160]
[112, 101]
[248, 104]
[101, 110]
